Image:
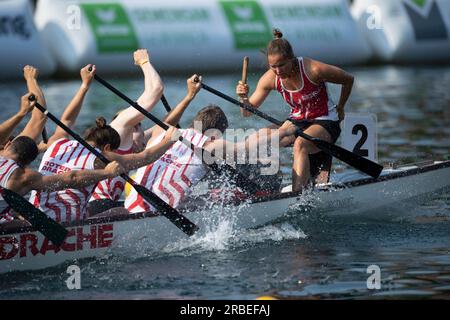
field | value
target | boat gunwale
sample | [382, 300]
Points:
[250, 200]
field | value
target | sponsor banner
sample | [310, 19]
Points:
[248, 24]
[201, 35]
[112, 29]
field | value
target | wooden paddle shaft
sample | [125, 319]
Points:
[244, 70]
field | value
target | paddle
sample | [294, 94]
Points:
[244, 70]
[167, 107]
[367, 166]
[55, 232]
[240, 179]
[44, 135]
[167, 211]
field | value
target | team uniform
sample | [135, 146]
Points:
[311, 104]
[171, 176]
[7, 167]
[62, 156]
[107, 193]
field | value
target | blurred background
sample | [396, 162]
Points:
[60, 36]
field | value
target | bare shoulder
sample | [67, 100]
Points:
[313, 68]
[267, 80]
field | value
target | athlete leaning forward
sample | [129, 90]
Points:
[302, 83]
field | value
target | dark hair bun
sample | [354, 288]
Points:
[277, 34]
[100, 122]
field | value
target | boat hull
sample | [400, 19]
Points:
[29, 250]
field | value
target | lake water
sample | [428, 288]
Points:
[309, 256]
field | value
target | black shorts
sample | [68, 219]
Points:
[332, 127]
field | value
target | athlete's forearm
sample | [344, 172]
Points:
[153, 87]
[345, 92]
[70, 115]
[33, 86]
[7, 127]
[76, 179]
[146, 157]
[34, 127]
[174, 117]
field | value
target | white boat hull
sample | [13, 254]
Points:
[29, 250]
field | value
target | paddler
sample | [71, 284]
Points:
[302, 83]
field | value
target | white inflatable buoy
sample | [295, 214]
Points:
[20, 41]
[197, 35]
[405, 31]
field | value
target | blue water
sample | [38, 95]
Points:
[308, 256]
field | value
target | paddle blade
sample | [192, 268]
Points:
[39, 220]
[367, 166]
[183, 223]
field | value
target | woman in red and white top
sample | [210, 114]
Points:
[302, 83]
[17, 176]
[65, 155]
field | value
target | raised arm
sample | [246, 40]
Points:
[7, 127]
[265, 85]
[28, 179]
[173, 118]
[322, 72]
[70, 114]
[153, 89]
[136, 160]
[34, 127]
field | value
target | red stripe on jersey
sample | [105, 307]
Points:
[57, 146]
[139, 200]
[77, 201]
[4, 162]
[166, 192]
[6, 171]
[86, 159]
[184, 178]
[71, 154]
[66, 204]
[37, 199]
[177, 187]
[79, 155]
[55, 208]
[102, 191]
[64, 153]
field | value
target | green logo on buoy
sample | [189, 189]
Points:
[111, 26]
[248, 23]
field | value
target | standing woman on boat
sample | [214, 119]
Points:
[302, 82]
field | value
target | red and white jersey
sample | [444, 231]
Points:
[309, 102]
[7, 167]
[66, 205]
[110, 188]
[171, 176]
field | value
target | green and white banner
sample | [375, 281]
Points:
[248, 23]
[112, 28]
[197, 35]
